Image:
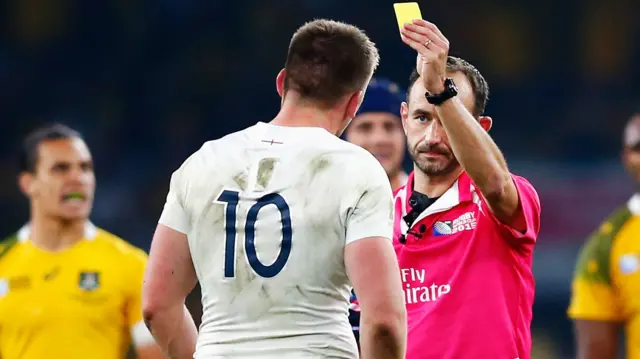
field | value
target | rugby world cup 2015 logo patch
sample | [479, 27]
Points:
[465, 222]
[442, 228]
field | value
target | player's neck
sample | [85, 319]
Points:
[434, 186]
[53, 234]
[398, 179]
[297, 113]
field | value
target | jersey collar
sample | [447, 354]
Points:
[634, 204]
[90, 232]
[462, 190]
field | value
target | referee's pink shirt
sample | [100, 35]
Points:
[467, 277]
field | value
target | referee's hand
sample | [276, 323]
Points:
[432, 48]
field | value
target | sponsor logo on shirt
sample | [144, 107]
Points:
[417, 290]
[89, 281]
[19, 283]
[465, 222]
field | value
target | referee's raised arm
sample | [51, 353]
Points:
[477, 153]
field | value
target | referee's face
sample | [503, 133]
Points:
[427, 141]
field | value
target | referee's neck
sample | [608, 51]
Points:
[434, 186]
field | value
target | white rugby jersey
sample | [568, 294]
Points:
[268, 212]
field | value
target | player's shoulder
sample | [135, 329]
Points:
[338, 144]
[118, 247]
[230, 141]
[357, 159]
[196, 158]
[211, 151]
[611, 226]
[8, 243]
[329, 151]
[366, 170]
[595, 255]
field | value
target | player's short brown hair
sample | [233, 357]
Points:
[29, 154]
[329, 59]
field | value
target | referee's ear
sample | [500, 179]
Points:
[485, 122]
[404, 114]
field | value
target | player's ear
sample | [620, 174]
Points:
[404, 115]
[354, 104]
[280, 82]
[26, 183]
[485, 122]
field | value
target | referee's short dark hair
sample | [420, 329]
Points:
[479, 85]
[29, 152]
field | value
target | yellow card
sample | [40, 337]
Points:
[406, 12]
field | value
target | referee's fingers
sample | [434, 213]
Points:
[420, 43]
[426, 54]
[427, 34]
[433, 28]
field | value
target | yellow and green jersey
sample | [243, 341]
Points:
[606, 283]
[83, 302]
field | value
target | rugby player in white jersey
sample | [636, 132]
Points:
[277, 222]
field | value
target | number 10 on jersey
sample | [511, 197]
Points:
[231, 199]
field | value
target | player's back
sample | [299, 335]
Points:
[267, 208]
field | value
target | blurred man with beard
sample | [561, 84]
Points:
[67, 288]
[605, 291]
[465, 227]
[377, 128]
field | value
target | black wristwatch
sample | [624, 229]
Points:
[450, 91]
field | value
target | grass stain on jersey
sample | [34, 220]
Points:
[265, 171]
[318, 164]
[241, 180]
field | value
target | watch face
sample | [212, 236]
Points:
[450, 91]
[450, 83]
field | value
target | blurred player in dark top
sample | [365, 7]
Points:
[378, 129]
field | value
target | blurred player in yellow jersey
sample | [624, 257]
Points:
[606, 285]
[67, 289]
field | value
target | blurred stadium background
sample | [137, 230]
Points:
[147, 82]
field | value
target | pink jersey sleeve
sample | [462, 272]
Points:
[530, 203]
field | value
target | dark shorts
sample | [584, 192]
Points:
[354, 317]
